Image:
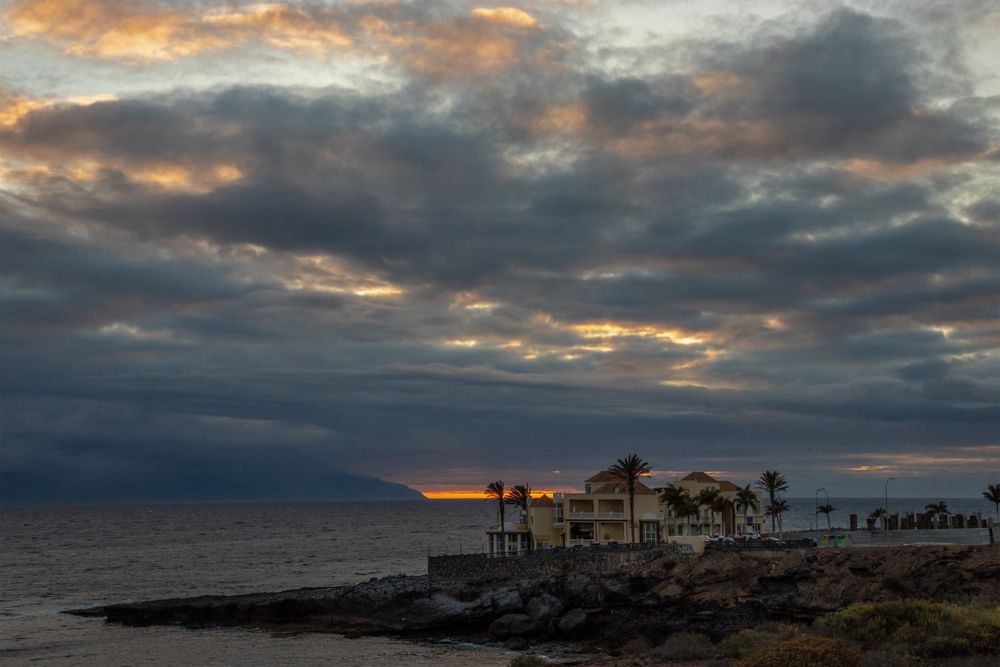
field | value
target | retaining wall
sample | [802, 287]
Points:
[476, 568]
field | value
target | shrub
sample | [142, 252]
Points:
[745, 642]
[635, 646]
[929, 629]
[685, 646]
[804, 651]
[526, 660]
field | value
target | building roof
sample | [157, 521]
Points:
[542, 501]
[618, 486]
[508, 527]
[702, 477]
[605, 476]
[726, 485]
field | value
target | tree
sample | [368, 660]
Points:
[775, 510]
[676, 499]
[719, 505]
[827, 510]
[773, 482]
[746, 499]
[938, 509]
[495, 491]
[629, 470]
[709, 498]
[879, 513]
[689, 509]
[519, 495]
[992, 494]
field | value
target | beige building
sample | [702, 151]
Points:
[599, 515]
[730, 521]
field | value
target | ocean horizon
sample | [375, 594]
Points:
[59, 557]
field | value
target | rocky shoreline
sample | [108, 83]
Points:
[715, 594]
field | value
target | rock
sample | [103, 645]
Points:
[516, 644]
[573, 623]
[513, 625]
[507, 601]
[544, 607]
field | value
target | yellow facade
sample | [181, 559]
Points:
[599, 515]
[730, 521]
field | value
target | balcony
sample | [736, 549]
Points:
[581, 543]
[613, 516]
[581, 515]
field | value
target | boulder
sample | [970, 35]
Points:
[544, 607]
[513, 625]
[506, 601]
[516, 644]
[573, 623]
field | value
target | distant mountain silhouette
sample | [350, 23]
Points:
[210, 483]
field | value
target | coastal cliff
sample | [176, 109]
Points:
[716, 594]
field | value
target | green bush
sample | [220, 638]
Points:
[685, 646]
[527, 660]
[745, 642]
[929, 629]
[804, 651]
[635, 646]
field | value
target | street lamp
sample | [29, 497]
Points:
[887, 506]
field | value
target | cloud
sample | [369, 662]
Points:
[499, 248]
[127, 30]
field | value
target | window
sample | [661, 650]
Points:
[648, 531]
[587, 488]
[559, 513]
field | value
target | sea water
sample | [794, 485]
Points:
[54, 558]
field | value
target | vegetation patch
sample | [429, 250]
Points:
[685, 646]
[527, 660]
[743, 643]
[804, 651]
[919, 627]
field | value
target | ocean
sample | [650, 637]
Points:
[54, 558]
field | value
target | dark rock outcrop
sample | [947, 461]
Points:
[514, 625]
[716, 594]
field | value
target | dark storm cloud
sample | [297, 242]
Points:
[544, 262]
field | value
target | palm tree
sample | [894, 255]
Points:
[495, 491]
[746, 499]
[719, 505]
[826, 509]
[519, 495]
[629, 470]
[688, 509]
[708, 498]
[939, 509]
[879, 513]
[773, 482]
[775, 510]
[992, 494]
[675, 498]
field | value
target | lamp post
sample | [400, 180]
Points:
[886, 519]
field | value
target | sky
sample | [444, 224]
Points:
[260, 246]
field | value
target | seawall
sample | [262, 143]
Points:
[481, 568]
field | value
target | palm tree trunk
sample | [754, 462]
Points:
[631, 509]
[781, 534]
[503, 535]
[770, 495]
